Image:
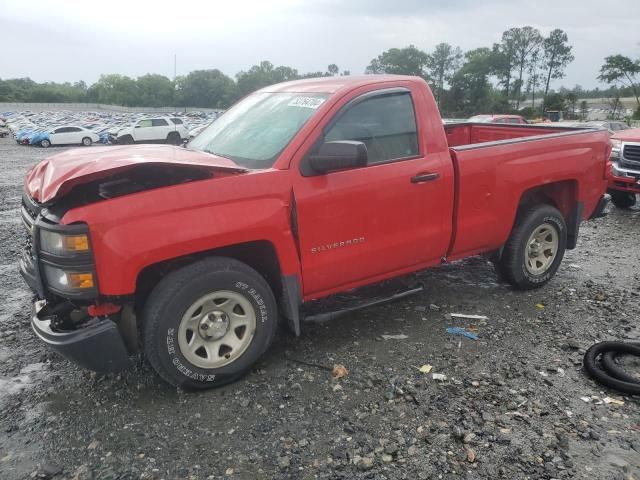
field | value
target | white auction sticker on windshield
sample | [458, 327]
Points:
[307, 102]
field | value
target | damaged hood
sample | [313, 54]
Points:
[58, 174]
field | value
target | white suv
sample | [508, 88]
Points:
[154, 130]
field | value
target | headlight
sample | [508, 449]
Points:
[615, 171]
[616, 146]
[69, 282]
[63, 245]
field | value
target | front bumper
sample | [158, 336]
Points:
[624, 179]
[96, 345]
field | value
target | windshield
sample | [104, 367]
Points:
[257, 129]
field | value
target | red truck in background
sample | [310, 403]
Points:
[624, 183]
[299, 191]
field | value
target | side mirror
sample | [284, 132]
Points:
[339, 155]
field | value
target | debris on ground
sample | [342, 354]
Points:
[468, 317]
[462, 331]
[439, 377]
[426, 368]
[394, 337]
[339, 371]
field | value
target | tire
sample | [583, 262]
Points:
[175, 317]
[86, 141]
[623, 199]
[126, 140]
[523, 264]
[606, 377]
[174, 138]
[45, 143]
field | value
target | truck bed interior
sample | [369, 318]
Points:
[463, 134]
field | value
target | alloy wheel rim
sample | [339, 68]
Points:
[542, 249]
[217, 329]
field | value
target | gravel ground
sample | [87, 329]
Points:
[510, 407]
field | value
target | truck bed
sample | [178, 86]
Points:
[494, 164]
[464, 134]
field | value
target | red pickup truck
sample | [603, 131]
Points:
[300, 191]
[624, 183]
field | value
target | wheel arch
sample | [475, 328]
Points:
[261, 255]
[562, 195]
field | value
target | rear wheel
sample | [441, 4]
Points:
[174, 138]
[86, 141]
[535, 249]
[207, 323]
[45, 143]
[623, 199]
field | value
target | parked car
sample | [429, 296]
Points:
[611, 125]
[516, 119]
[67, 135]
[154, 130]
[624, 183]
[301, 191]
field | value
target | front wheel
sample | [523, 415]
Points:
[86, 141]
[207, 323]
[535, 248]
[623, 199]
[45, 143]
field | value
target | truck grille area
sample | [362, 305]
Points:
[631, 155]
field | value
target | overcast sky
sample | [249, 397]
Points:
[79, 39]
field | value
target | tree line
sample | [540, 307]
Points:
[514, 74]
[199, 88]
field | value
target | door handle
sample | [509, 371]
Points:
[425, 177]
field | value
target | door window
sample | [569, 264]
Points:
[144, 123]
[159, 122]
[386, 124]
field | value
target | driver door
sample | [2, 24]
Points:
[360, 225]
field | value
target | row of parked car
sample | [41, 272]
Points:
[45, 129]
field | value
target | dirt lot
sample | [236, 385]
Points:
[510, 408]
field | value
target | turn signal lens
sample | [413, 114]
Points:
[80, 280]
[68, 282]
[76, 243]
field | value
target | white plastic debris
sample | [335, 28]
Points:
[469, 317]
[394, 337]
[439, 377]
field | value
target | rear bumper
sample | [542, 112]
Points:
[96, 346]
[602, 209]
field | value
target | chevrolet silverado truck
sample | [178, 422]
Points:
[624, 182]
[299, 192]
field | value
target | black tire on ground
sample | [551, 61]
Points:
[174, 138]
[45, 143]
[177, 292]
[512, 265]
[623, 199]
[126, 140]
[86, 141]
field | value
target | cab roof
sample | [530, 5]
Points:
[334, 84]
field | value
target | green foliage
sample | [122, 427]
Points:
[263, 75]
[205, 88]
[621, 69]
[557, 55]
[114, 89]
[441, 65]
[401, 61]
